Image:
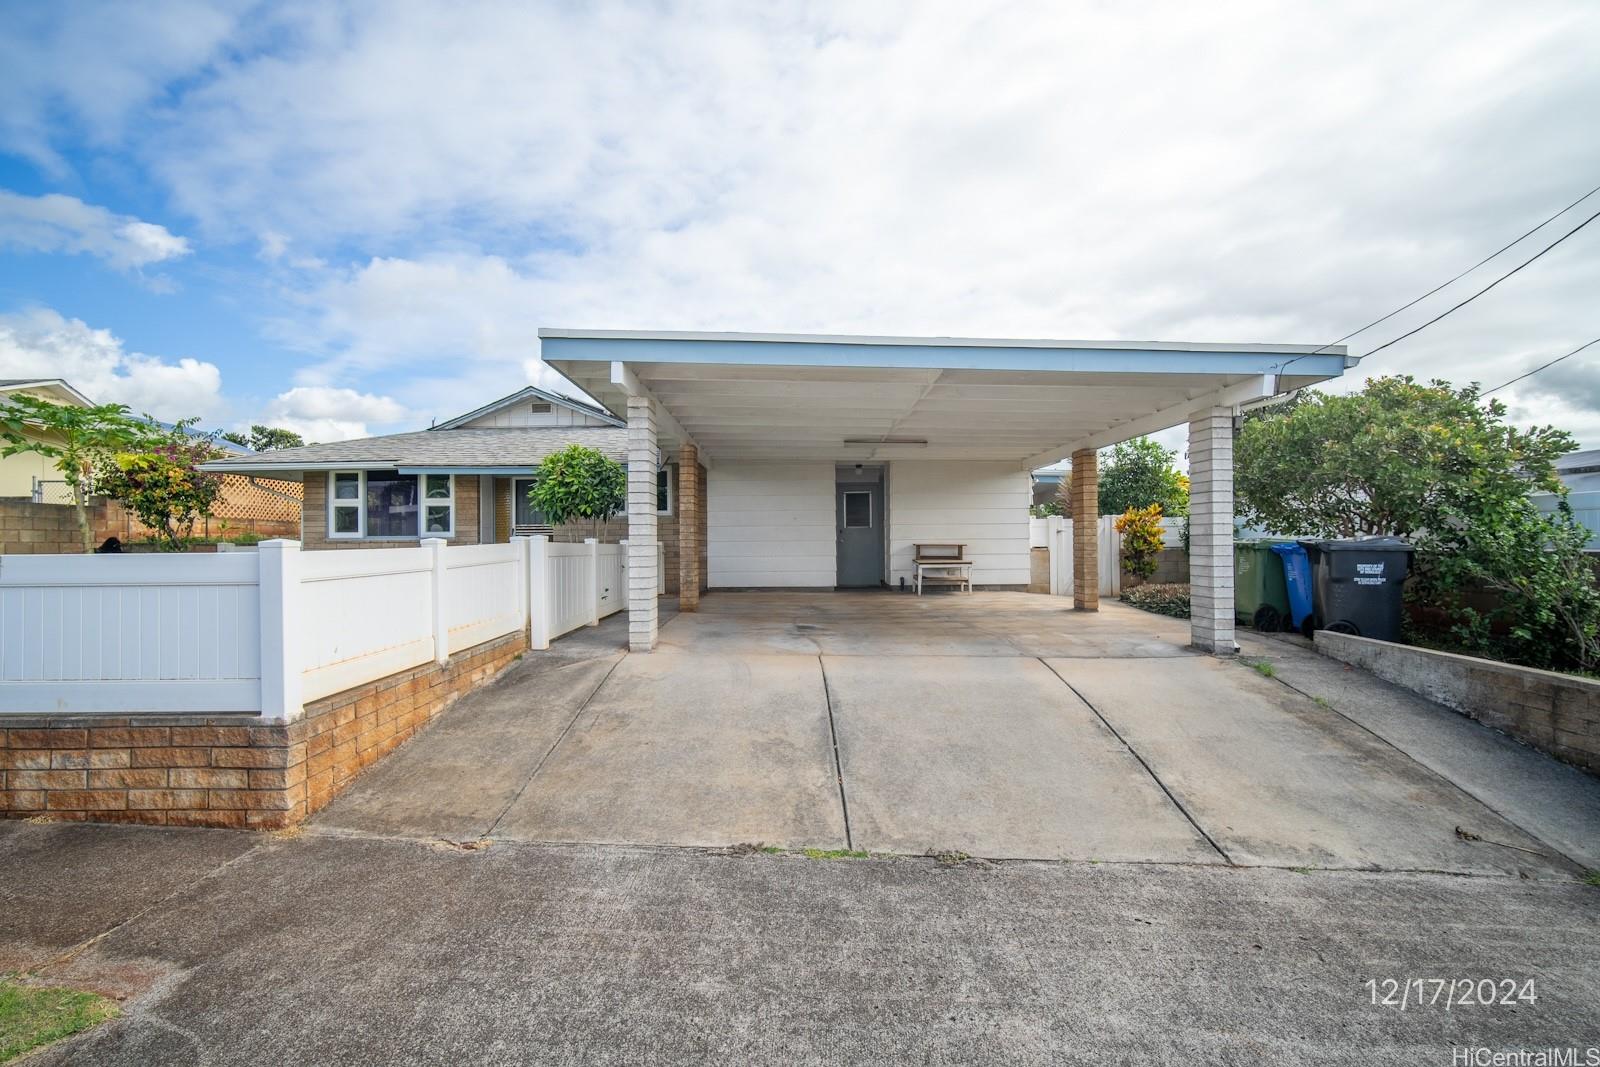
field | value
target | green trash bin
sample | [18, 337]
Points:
[1260, 597]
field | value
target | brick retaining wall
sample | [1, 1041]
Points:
[1556, 713]
[227, 770]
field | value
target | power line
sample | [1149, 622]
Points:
[1485, 289]
[1451, 281]
[1463, 274]
[1541, 367]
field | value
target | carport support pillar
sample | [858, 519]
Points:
[644, 564]
[688, 528]
[1211, 531]
[1085, 530]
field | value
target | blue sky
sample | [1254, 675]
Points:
[353, 218]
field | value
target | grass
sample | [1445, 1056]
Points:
[1263, 668]
[834, 854]
[1592, 878]
[34, 1016]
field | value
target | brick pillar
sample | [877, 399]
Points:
[1211, 531]
[1085, 530]
[688, 528]
[643, 564]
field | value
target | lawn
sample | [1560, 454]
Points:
[33, 1016]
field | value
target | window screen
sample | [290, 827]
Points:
[857, 510]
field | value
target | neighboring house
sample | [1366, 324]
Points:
[1580, 473]
[23, 475]
[465, 479]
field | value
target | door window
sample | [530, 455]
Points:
[857, 510]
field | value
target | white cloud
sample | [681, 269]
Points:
[57, 223]
[42, 343]
[88, 66]
[323, 413]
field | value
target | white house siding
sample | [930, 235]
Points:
[981, 505]
[771, 524]
[521, 416]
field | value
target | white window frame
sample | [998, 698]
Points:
[665, 468]
[359, 504]
[424, 502]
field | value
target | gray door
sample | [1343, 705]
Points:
[858, 514]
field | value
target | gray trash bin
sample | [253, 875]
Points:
[1356, 585]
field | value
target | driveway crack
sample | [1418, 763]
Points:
[1151, 771]
[838, 764]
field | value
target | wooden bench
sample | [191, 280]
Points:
[941, 564]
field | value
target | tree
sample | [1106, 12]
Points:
[265, 438]
[1140, 473]
[80, 440]
[163, 485]
[1440, 467]
[1396, 458]
[579, 483]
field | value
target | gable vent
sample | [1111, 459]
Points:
[539, 407]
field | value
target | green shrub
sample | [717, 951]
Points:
[1141, 540]
[1165, 599]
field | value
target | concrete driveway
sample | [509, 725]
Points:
[1001, 725]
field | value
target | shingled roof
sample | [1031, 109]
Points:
[490, 450]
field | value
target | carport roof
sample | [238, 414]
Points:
[854, 399]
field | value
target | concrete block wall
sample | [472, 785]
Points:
[27, 528]
[1556, 713]
[227, 770]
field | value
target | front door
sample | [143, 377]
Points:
[858, 515]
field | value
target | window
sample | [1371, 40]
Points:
[344, 505]
[664, 491]
[857, 510]
[388, 504]
[439, 508]
[522, 512]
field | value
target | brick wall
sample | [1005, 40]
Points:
[228, 770]
[314, 517]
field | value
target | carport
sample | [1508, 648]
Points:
[829, 459]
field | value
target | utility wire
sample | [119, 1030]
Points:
[1456, 278]
[1486, 288]
[1463, 274]
[1543, 366]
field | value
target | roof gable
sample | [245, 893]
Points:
[524, 395]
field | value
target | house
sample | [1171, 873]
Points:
[464, 479]
[28, 475]
[1580, 473]
[831, 458]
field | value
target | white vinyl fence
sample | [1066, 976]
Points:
[1058, 537]
[268, 630]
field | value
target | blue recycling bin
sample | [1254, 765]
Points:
[1297, 581]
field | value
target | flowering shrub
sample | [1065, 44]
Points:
[164, 487]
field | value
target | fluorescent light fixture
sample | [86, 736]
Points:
[918, 442]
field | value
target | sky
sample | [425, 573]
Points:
[352, 218]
